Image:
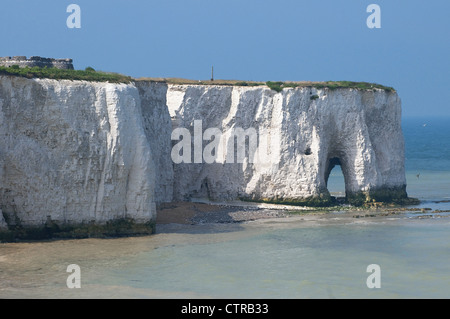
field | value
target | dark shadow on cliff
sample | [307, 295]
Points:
[53, 230]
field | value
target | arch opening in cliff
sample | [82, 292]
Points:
[335, 179]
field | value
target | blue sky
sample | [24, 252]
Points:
[284, 40]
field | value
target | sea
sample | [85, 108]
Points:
[400, 256]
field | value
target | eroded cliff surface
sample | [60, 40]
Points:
[73, 151]
[309, 131]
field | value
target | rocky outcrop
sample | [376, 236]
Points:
[311, 130]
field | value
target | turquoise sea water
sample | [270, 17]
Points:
[292, 258]
[427, 158]
[303, 262]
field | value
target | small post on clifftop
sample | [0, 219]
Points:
[212, 73]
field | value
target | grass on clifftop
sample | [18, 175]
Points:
[278, 85]
[332, 85]
[89, 74]
[58, 74]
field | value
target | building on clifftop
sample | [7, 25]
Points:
[38, 61]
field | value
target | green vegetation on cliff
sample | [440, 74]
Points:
[277, 85]
[332, 85]
[58, 74]
[89, 74]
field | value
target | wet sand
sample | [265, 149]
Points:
[204, 212]
[193, 213]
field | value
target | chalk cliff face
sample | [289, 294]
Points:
[310, 131]
[75, 151]
[158, 128]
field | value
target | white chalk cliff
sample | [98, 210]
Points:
[76, 151]
[313, 130]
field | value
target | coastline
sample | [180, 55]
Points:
[184, 216]
[205, 212]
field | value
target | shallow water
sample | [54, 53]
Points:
[303, 262]
[264, 259]
[278, 258]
